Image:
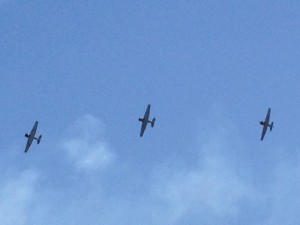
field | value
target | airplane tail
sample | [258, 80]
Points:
[39, 139]
[153, 122]
[271, 126]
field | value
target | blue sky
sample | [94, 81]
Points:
[86, 70]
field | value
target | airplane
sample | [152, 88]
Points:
[145, 120]
[266, 124]
[32, 137]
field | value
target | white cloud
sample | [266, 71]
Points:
[88, 156]
[17, 193]
[212, 188]
[220, 189]
[284, 195]
[86, 147]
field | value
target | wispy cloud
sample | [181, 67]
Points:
[212, 189]
[86, 146]
[17, 193]
[283, 195]
[220, 189]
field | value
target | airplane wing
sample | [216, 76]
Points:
[264, 131]
[29, 142]
[266, 124]
[267, 120]
[143, 128]
[33, 131]
[147, 113]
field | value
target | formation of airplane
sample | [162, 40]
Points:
[145, 120]
[266, 124]
[30, 137]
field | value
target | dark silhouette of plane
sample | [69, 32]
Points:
[145, 120]
[32, 137]
[266, 124]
